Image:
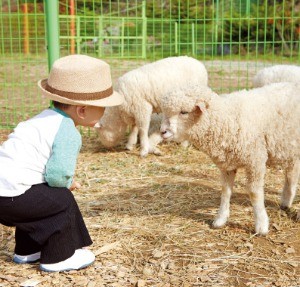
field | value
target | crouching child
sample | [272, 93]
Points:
[37, 166]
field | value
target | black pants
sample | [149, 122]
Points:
[47, 219]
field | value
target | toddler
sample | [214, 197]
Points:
[37, 165]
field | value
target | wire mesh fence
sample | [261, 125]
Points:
[234, 38]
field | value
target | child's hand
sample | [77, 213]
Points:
[75, 185]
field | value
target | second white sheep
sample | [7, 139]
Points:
[142, 89]
[277, 74]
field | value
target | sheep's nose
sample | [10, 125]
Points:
[163, 131]
[97, 125]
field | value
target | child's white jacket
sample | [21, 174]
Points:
[41, 149]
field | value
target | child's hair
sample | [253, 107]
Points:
[60, 106]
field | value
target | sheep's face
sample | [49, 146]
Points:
[177, 126]
[108, 136]
[182, 110]
[111, 129]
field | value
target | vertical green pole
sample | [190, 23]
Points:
[248, 8]
[179, 29]
[216, 26]
[176, 37]
[122, 37]
[52, 27]
[144, 40]
[78, 38]
[193, 39]
[100, 37]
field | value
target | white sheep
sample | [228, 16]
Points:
[155, 136]
[142, 89]
[244, 129]
[277, 74]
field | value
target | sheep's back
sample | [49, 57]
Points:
[149, 82]
[271, 114]
[277, 74]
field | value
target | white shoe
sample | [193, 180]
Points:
[23, 259]
[80, 259]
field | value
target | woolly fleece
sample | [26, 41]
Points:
[244, 129]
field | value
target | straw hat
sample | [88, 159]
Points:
[80, 80]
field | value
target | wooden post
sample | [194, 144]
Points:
[72, 26]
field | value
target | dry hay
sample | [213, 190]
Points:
[150, 222]
[150, 219]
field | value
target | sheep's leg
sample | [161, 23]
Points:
[155, 139]
[143, 122]
[256, 191]
[185, 144]
[227, 187]
[144, 141]
[132, 139]
[290, 186]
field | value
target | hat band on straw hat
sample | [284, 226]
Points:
[80, 96]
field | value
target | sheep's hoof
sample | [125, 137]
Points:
[143, 153]
[291, 212]
[185, 144]
[219, 223]
[262, 229]
[284, 207]
[261, 233]
[129, 147]
[157, 151]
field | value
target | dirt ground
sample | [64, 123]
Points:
[150, 221]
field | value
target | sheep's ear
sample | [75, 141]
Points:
[201, 107]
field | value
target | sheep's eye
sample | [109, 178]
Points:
[184, 113]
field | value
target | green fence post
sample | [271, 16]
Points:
[78, 38]
[100, 36]
[216, 30]
[193, 39]
[52, 27]
[144, 31]
[176, 37]
[122, 37]
[248, 8]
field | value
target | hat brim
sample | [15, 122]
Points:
[113, 100]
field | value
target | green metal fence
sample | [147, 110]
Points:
[234, 38]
